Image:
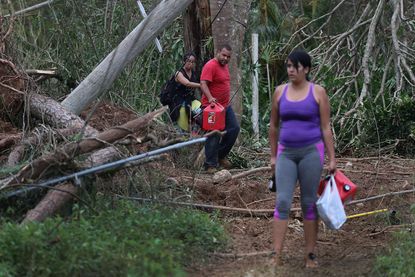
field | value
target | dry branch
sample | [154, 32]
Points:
[205, 207]
[251, 212]
[30, 9]
[380, 196]
[243, 255]
[368, 50]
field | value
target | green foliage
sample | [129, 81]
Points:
[74, 36]
[126, 240]
[398, 260]
[381, 125]
[396, 122]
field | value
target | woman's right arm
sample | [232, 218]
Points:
[184, 81]
[274, 125]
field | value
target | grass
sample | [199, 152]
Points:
[123, 240]
[398, 261]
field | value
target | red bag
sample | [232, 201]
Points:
[347, 189]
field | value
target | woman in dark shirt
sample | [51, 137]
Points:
[187, 82]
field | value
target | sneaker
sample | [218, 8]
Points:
[225, 163]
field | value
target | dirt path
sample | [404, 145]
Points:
[350, 251]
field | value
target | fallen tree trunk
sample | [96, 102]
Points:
[53, 201]
[102, 77]
[37, 138]
[52, 113]
[68, 152]
[7, 142]
[58, 197]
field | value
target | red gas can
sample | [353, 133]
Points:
[347, 189]
[214, 117]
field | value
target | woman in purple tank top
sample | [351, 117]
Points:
[299, 132]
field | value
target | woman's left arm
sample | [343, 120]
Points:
[184, 81]
[324, 106]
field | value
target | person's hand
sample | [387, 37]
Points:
[332, 166]
[212, 100]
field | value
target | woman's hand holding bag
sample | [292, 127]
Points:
[330, 207]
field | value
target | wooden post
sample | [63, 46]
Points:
[255, 101]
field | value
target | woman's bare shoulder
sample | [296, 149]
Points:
[319, 93]
[279, 89]
[319, 89]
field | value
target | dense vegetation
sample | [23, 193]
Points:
[398, 260]
[74, 36]
[123, 239]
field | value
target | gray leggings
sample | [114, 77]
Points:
[305, 165]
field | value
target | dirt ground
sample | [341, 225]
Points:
[350, 251]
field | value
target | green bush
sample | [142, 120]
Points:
[127, 240]
[396, 122]
[398, 261]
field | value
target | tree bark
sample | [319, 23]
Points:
[68, 152]
[197, 30]
[229, 27]
[52, 113]
[51, 203]
[102, 77]
[54, 200]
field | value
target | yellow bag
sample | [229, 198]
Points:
[184, 118]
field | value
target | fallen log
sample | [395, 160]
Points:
[37, 138]
[53, 201]
[104, 74]
[9, 141]
[71, 150]
[60, 195]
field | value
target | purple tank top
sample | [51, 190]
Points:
[300, 120]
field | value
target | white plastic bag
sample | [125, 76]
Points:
[330, 207]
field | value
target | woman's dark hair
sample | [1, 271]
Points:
[300, 57]
[188, 55]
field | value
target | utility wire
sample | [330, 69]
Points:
[102, 168]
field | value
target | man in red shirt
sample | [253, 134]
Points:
[215, 84]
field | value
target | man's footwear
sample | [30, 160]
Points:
[277, 259]
[211, 170]
[311, 261]
[225, 163]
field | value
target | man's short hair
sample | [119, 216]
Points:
[224, 46]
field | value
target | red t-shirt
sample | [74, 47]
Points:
[218, 82]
